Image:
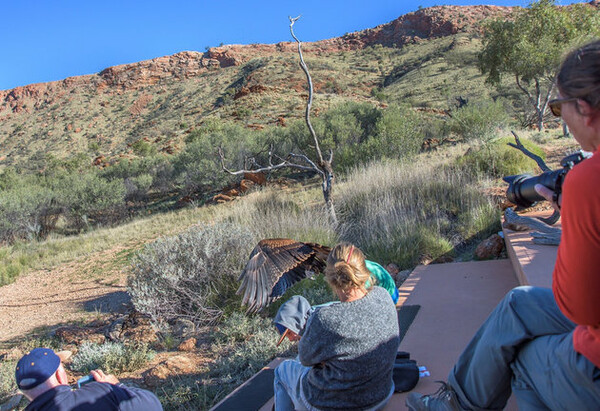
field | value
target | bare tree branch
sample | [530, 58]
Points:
[309, 161]
[519, 146]
[524, 90]
[547, 96]
[310, 91]
[530, 221]
[270, 167]
[545, 233]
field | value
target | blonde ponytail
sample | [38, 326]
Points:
[346, 268]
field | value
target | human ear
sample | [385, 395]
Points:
[61, 375]
[591, 116]
[586, 111]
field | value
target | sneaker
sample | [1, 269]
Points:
[444, 399]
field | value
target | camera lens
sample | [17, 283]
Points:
[521, 189]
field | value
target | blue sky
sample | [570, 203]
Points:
[47, 40]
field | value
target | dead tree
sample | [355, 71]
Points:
[320, 165]
[545, 233]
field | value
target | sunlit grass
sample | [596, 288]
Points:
[413, 212]
[25, 256]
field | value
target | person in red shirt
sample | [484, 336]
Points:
[543, 345]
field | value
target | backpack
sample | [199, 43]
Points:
[406, 372]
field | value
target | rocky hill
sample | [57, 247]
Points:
[162, 99]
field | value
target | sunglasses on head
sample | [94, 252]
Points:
[555, 105]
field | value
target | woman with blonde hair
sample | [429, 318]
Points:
[347, 350]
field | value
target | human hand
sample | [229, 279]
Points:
[101, 377]
[548, 195]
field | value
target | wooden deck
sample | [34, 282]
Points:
[532, 263]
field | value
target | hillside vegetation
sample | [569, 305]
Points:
[429, 54]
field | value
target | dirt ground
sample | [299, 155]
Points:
[75, 292]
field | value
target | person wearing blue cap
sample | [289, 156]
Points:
[42, 378]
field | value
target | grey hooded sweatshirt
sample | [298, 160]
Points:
[293, 314]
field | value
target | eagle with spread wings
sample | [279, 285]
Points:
[276, 264]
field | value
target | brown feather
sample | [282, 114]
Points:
[274, 265]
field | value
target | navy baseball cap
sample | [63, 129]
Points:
[35, 367]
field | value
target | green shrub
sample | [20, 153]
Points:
[242, 345]
[94, 147]
[246, 344]
[478, 121]
[143, 148]
[9, 179]
[86, 196]
[497, 159]
[198, 167]
[398, 134]
[22, 211]
[185, 392]
[236, 328]
[8, 386]
[74, 163]
[110, 357]
[195, 169]
[192, 275]
[137, 187]
[358, 133]
[160, 168]
[8, 273]
[127, 168]
[257, 348]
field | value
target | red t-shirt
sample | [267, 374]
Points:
[576, 277]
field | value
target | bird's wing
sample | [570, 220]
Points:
[274, 266]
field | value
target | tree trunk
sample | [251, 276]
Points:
[327, 186]
[565, 129]
[540, 119]
[324, 166]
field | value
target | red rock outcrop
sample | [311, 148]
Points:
[426, 23]
[181, 65]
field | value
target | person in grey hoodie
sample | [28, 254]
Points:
[291, 318]
[347, 349]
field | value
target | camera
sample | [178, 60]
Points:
[521, 187]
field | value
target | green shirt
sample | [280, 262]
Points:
[382, 277]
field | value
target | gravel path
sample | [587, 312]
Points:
[76, 291]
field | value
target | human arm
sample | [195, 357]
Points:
[576, 283]
[128, 398]
[315, 344]
[548, 195]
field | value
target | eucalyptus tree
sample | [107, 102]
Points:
[529, 47]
